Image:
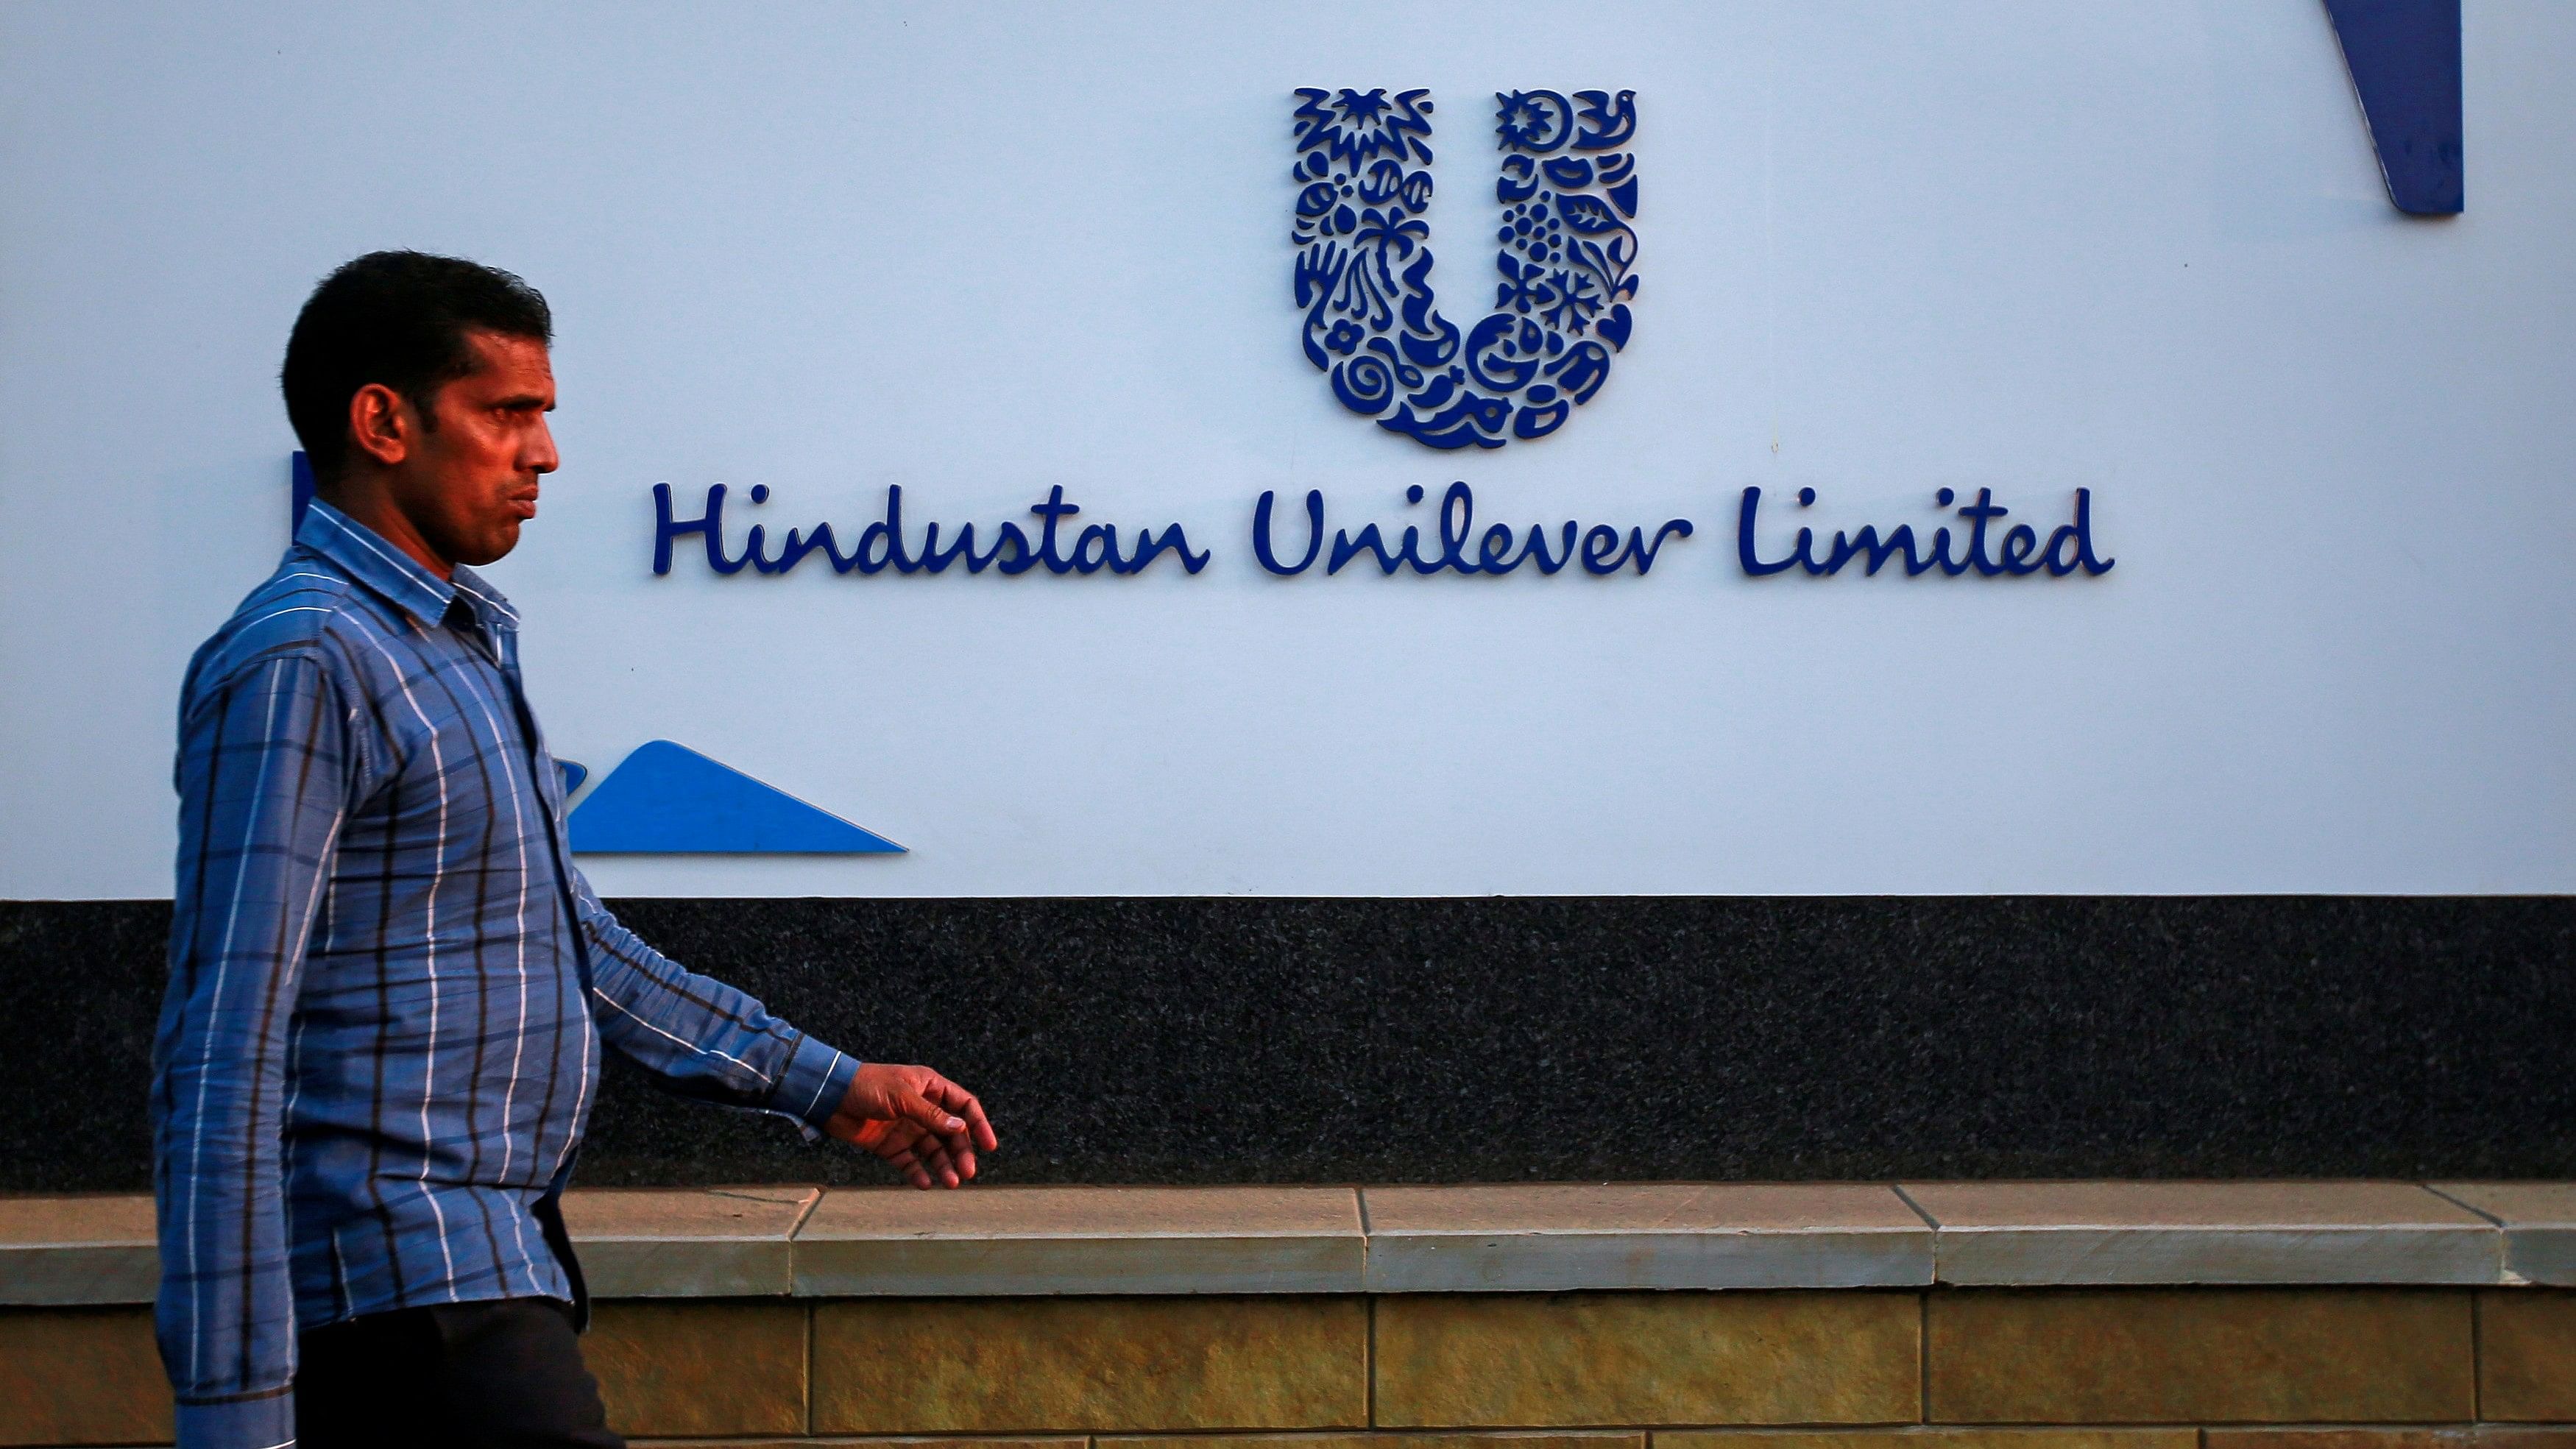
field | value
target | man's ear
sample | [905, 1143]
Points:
[381, 423]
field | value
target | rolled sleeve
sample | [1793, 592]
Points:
[265, 1422]
[816, 1080]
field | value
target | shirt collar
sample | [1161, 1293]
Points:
[369, 559]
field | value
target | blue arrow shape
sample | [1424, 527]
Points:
[668, 798]
[2404, 56]
[299, 491]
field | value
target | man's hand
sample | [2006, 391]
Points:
[927, 1126]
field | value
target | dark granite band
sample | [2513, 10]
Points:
[1499, 1039]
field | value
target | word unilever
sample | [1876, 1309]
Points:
[1452, 544]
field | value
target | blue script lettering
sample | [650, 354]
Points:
[1603, 551]
[2069, 548]
[882, 544]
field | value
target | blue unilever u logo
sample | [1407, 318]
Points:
[1568, 194]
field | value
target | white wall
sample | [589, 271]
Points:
[979, 250]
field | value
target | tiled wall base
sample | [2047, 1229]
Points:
[2246, 1368]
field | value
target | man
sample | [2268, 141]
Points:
[389, 987]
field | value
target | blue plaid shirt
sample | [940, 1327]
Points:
[388, 984]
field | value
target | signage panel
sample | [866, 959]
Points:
[1962, 447]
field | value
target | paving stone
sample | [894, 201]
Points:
[725, 1242]
[94, 1249]
[81, 1376]
[2467, 1436]
[912, 1366]
[2539, 1224]
[883, 1443]
[2244, 1355]
[1029, 1241]
[2460, 1438]
[2527, 1354]
[1927, 1438]
[1546, 1360]
[700, 1368]
[1662, 1235]
[2522, 1436]
[2102, 1233]
[1609, 1439]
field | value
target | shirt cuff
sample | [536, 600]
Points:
[811, 1089]
[267, 1422]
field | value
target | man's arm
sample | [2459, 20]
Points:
[266, 773]
[701, 1038]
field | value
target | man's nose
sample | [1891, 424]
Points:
[541, 456]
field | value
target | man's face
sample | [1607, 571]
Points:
[469, 482]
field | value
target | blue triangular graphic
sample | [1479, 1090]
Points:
[2404, 56]
[669, 798]
[574, 772]
[299, 492]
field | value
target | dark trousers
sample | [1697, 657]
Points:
[504, 1374]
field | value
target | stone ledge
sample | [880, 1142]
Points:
[1558, 1237]
[2539, 1224]
[725, 1242]
[2058, 1234]
[1032, 1241]
[68, 1251]
[808, 1242]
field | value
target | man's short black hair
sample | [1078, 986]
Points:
[398, 318]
